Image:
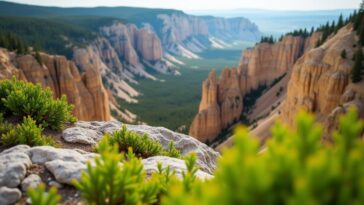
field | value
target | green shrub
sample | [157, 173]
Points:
[26, 133]
[142, 145]
[39, 196]
[5, 127]
[295, 168]
[21, 99]
[109, 182]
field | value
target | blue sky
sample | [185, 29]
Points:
[206, 4]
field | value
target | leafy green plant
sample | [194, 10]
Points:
[109, 182]
[39, 196]
[142, 145]
[295, 168]
[5, 127]
[26, 133]
[21, 99]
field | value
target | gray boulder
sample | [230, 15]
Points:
[81, 135]
[32, 181]
[13, 167]
[9, 195]
[66, 171]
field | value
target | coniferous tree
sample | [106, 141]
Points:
[358, 66]
[2, 41]
[312, 30]
[340, 22]
[333, 26]
[38, 57]
[271, 40]
[361, 33]
[343, 54]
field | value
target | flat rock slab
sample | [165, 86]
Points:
[43, 154]
[81, 135]
[66, 172]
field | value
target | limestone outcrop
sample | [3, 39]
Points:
[22, 166]
[222, 100]
[320, 81]
[86, 92]
[184, 143]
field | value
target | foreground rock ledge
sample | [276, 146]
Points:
[65, 165]
[90, 133]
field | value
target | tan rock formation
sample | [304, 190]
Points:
[63, 78]
[207, 123]
[265, 62]
[259, 65]
[320, 81]
[221, 104]
[149, 45]
[122, 40]
[128, 40]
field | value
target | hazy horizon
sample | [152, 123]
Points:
[205, 5]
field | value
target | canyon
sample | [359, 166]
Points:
[317, 79]
[122, 50]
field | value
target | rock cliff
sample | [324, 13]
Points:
[186, 35]
[320, 81]
[85, 91]
[222, 101]
[135, 47]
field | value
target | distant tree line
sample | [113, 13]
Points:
[358, 21]
[12, 42]
[267, 39]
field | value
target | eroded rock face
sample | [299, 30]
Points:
[63, 78]
[185, 144]
[320, 82]
[149, 45]
[222, 100]
[194, 33]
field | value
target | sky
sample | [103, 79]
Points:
[187, 5]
